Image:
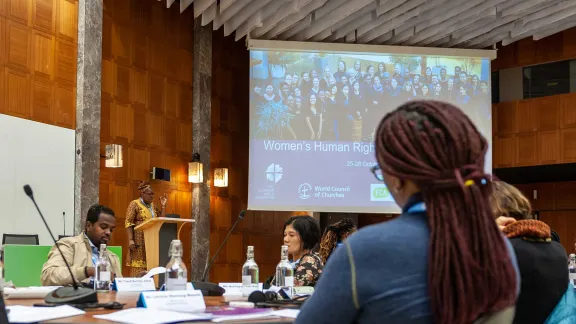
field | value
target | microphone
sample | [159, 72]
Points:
[208, 288]
[64, 295]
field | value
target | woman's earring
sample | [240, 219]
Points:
[395, 190]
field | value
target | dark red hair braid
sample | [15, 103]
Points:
[435, 145]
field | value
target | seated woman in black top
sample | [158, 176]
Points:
[542, 262]
[301, 235]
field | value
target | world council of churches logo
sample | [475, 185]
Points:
[304, 190]
[274, 172]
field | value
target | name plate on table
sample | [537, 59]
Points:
[188, 300]
[303, 290]
[134, 284]
[236, 288]
[188, 287]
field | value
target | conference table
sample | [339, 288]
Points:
[129, 299]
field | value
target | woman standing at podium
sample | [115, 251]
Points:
[139, 211]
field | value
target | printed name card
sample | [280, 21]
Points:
[236, 288]
[303, 290]
[134, 284]
[189, 300]
[188, 287]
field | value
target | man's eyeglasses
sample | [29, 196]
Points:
[377, 171]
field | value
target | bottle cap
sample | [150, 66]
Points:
[176, 248]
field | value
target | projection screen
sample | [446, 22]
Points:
[314, 108]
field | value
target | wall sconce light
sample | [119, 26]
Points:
[114, 156]
[221, 177]
[195, 169]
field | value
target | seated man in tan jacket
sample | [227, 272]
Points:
[82, 251]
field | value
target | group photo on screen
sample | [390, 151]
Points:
[342, 97]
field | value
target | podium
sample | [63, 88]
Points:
[152, 239]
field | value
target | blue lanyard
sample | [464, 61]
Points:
[417, 208]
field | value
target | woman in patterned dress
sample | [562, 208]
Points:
[139, 211]
[301, 235]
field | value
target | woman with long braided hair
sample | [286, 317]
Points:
[334, 235]
[443, 260]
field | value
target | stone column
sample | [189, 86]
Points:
[201, 132]
[88, 109]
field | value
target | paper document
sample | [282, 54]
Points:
[27, 292]
[240, 314]
[246, 317]
[29, 314]
[154, 272]
[151, 316]
[290, 313]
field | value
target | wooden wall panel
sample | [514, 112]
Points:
[527, 117]
[44, 15]
[535, 131]
[67, 20]
[557, 207]
[557, 47]
[37, 66]
[133, 112]
[548, 147]
[564, 223]
[2, 38]
[526, 149]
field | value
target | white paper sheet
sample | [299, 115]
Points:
[150, 316]
[290, 313]
[27, 292]
[29, 314]
[154, 272]
[226, 318]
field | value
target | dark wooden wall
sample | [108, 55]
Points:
[38, 45]
[230, 114]
[540, 131]
[147, 105]
[535, 131]
[557, 206]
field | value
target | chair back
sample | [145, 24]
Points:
[22, 239]
[23, 263]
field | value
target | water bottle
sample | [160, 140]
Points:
[284, 270]
[176, 276]
[102, 272]
[572, 270]
[250, 272]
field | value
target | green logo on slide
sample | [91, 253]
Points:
[380, 193]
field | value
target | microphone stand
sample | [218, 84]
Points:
[64, 295]
[209, 288]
